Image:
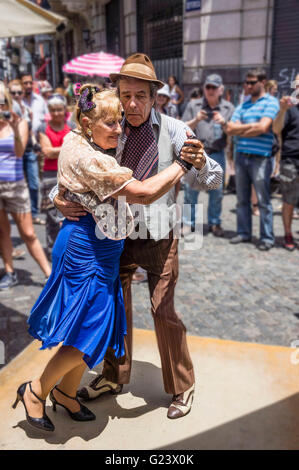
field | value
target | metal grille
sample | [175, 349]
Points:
[113, 27]
[167, 67]
[160, 28]
[285, 43]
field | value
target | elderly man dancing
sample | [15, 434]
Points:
[150, 142]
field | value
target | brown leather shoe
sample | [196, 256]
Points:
[217, 231]
[181, 404]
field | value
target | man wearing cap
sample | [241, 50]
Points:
[207, 116]
[150, 142]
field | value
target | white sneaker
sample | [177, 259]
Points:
[97, 387]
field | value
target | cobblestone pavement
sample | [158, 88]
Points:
[224, 291]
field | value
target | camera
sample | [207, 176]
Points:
[5, 115]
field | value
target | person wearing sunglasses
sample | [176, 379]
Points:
[207, 116]
[30, 163]
[252, 123]
[38, 109]
[14, 194]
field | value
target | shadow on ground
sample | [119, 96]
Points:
[146, 383]
[272, 427]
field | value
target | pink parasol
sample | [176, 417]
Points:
[96, 63]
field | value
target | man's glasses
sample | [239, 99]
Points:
[211, 87]
[27, 83]
[251, 82]
[14, 93]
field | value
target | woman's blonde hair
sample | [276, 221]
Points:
[106, 102]
[16, 82]
[270, 84]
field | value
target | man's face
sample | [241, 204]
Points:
[212, 92]
[254, 86]
[27, 83]
[136, 100]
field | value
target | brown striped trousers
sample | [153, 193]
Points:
[160, 259]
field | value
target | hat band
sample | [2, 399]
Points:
[139, 68]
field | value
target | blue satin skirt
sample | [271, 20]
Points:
[82, 303]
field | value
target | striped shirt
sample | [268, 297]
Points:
[11, 167]
[249, 112]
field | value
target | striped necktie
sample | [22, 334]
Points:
[140, 153]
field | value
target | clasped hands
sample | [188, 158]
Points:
[193, 152]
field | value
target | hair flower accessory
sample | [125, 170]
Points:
[85, 101]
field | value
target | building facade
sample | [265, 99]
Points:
[186, 38]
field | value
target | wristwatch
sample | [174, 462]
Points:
[185, 165]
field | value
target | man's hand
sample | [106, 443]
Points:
[202, 114]
[218, 118]
[285, 103]
[194, 154]
[70, 210]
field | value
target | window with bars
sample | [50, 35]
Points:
[160, 28]
[115, 27]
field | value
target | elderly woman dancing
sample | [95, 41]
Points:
[82, 304]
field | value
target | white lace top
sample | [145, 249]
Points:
[91, 178]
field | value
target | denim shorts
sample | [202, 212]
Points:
[289, 180]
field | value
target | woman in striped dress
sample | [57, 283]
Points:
[14, 193]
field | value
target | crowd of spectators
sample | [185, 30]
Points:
[258, 137]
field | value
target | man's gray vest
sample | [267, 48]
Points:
[160, 216]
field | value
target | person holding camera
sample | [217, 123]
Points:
[207, 116]
[14, 194]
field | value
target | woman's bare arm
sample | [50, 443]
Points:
[148, 191]
[21, 133]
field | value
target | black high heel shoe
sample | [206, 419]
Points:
[83, 415]
[43, 423]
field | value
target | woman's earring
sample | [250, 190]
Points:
[89, 132]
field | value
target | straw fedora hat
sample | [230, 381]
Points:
[138, 66]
